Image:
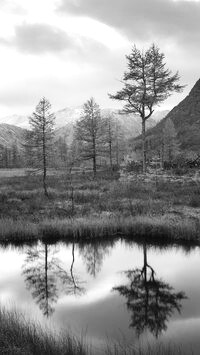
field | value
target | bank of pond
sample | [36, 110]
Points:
[108, 296]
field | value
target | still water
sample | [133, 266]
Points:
[111, 291]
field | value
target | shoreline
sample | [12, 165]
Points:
[166, 228]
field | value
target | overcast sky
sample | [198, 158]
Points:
[70, 50]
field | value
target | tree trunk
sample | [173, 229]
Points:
[110, 153]
[94, 166]
[143, 146]
[94, 157]
[44, 156]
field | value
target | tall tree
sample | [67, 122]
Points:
[89, 133]
[41, 137]
[147, 83]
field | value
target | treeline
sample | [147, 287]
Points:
[11, 157]
[98, 140]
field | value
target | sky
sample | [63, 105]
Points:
[70, 50]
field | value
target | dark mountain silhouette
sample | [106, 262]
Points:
[186, 119]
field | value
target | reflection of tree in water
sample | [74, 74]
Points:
[93, 255]
[151, 301]
[47, 279]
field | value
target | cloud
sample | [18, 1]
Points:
[40, 38]
[142, 19]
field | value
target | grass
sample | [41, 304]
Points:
[158, 349]
[20, 336]
[79, 229]
[100, 208]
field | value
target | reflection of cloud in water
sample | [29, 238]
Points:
[185, 332]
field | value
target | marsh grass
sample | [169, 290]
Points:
[164, 228]
[102, 207]
[158, 349]
[19, 336]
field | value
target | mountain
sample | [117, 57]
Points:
[12, 128]
[186, 119]
[70, 115]
[15, 120]
[63, 117]
[10, 134]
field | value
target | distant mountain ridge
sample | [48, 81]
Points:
[13, 128]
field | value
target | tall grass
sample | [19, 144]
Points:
[162, 228]
[21, 337]
[157, 349]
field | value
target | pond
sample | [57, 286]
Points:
[111, 292]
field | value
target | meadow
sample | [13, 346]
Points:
[78, 207]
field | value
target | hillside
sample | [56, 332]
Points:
[10, 134]
[186, 119]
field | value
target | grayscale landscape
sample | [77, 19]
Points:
[99, 177]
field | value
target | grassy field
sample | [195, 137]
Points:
[106, 207]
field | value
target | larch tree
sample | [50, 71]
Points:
[146, 84]
[89, 133]
[40, 139]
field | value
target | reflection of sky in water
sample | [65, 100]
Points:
[100, 312]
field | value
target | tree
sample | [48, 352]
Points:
[147, 83]
[89, 133]
[40, 139]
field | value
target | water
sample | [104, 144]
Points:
[111, 291]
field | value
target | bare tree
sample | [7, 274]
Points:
[147, 83]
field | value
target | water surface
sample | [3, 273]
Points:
[113, 290]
